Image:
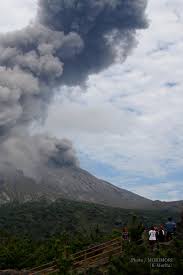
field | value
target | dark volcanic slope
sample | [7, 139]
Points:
[77, 184]
[69, 183]
[74, 184]
[17, 187]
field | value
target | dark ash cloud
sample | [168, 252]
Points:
[68, 40]
[95, 21]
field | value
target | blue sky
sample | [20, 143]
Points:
[127, 122]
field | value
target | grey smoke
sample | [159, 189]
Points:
[34, 154]
[68, 40]
[94, 21]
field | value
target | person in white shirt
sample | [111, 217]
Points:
[152, 237]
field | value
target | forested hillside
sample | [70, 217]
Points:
[42, 219]
[35, 233]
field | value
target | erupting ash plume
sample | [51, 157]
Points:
[68, 40]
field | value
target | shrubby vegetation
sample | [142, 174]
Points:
[35, 233]
[42, 219]
[138, 258]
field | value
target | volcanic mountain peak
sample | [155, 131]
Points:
[73, 183]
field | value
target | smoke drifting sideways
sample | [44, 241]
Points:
[68, 40]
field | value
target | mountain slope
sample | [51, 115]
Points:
[43, 218]
[78, 184]
[17, 187]
[75, 184]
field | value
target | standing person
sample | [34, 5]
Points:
[152, 237]
[170, 227]
[125, 234]
[145, 236]
[156, 229]
[161, 234]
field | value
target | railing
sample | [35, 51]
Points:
[98, 255]
[49, 268]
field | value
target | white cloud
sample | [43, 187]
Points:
[168, 191]
[15, 14]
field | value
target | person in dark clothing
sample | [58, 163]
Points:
[170, 227]
[161, 234]
[125, 234]
[156, 229]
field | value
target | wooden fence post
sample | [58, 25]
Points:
[85, 263]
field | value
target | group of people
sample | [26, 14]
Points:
[156, 234]
[163, 233]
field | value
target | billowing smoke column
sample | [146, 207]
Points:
[100, 24]
[68, 40]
